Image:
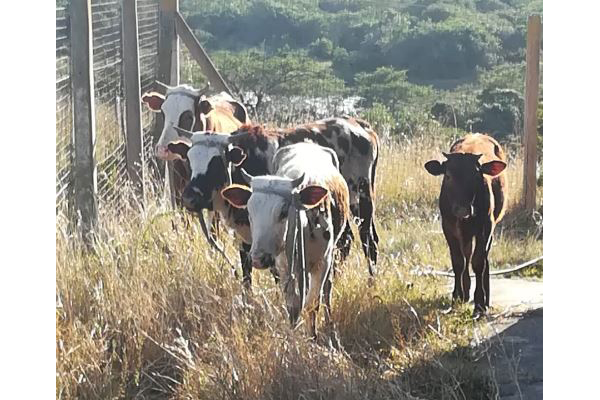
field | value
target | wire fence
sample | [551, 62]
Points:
[110, 139]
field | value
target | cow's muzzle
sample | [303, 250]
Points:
[163, 153]
[263, 261]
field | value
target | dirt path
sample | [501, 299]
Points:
[513, 337]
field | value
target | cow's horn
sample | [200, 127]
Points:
[206, 88]
[247, 176]
[162, 86]
[298, 181]
[183, 132]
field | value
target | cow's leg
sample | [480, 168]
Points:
[246, 265]
[318, 276]
[480, 266]
[366, 224]
[458, 261]
[327, 287]
[345, 242]
[486, 273]
[467, 250]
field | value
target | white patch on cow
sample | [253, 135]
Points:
[204, 148]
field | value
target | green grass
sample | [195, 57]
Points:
[150, 312]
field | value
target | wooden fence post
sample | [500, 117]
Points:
[198, 53]
[532, 82]
[82, 81]
[168, 66]
[133, 111]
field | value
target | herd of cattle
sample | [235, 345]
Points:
[290, 194]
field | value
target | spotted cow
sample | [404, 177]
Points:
[472, 202]
[296, 217]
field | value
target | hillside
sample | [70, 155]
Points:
[460, 62]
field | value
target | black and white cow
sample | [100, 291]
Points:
[296, 218]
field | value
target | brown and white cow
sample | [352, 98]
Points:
[254, 148]
[296, 217]
[472, 202]
[188, 108]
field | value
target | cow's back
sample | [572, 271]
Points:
[321, 168]
[490, 150]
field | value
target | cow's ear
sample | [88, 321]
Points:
[434, 167]
[179, 148]
[237, 195]
[236, 155]
[153, 100]
[205, 106]
[493, 168]
[312, 195]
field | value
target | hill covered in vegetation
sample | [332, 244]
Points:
[460, 62]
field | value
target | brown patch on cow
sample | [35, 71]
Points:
[217, 115]
[338, 190]
[256, 135]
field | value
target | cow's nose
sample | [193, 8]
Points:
[267, 260]
[161, 152]
[262, 261]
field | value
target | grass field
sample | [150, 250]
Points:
[152, 313]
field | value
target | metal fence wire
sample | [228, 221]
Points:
[109, 95]
[64, 113]
[110, 142]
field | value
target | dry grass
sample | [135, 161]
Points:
[152, 313]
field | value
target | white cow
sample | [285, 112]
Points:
[307, 191]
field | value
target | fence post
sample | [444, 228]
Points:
[133, 111]
[82, 81]
[168, 66]
[198, 53]
[532, 82]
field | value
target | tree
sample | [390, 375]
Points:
[390, 86]
[252, 73]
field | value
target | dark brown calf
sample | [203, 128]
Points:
[472, 202]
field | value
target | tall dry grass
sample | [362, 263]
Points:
[150, 312]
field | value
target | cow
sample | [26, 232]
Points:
[210, 156]
[296, 217]
[252, 148]
[357, 148]
[187, 108]
[472, 201]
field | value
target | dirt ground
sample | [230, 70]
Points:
[513, 336]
